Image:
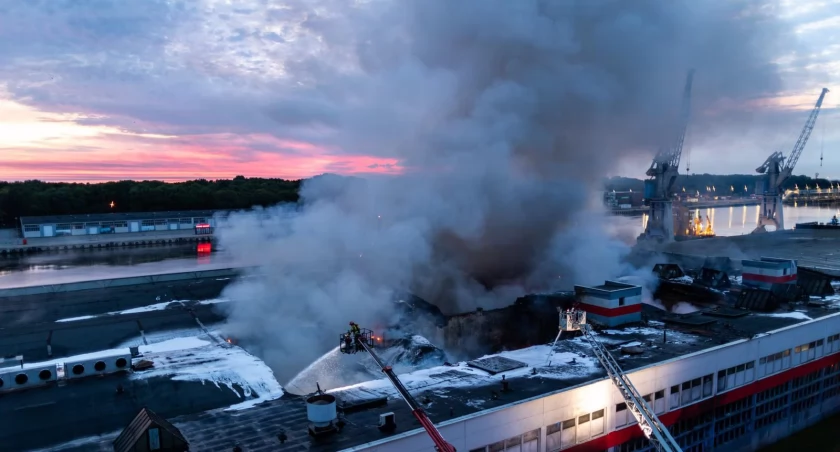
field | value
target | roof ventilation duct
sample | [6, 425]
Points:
[101, 365]
[15, 378]
[321, 412]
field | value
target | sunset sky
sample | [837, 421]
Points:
[174, 91]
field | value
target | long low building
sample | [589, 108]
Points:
[114, 223]
[719, 379]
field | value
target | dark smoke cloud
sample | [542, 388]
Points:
[505, 115]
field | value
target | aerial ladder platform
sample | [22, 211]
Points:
[575, 320]
[363, 340]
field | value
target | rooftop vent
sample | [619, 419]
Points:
[387, 422]
[321, 412]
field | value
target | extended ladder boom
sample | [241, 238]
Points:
[440, 444]
[647, 419]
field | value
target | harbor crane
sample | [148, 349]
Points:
[660, 438]
[362, 340]
[663, 173]
[777, 169]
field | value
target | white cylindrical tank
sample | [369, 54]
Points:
[320, 409]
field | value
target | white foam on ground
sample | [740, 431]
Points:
[196, 359]
[182, 343]
[832, 301]
[436, 380]
[91, 441]
[161, 336]
[149, 308]
[647, 333]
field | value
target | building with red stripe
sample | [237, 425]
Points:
[767, 272]
[612, 303]
[728, 395]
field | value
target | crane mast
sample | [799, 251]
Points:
[362, 340]
[663, 173]
[777, 169]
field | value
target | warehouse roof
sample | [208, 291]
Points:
[97, 217]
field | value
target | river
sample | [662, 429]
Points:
[728, 221]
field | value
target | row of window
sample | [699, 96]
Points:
[770, 404]
[526, 442]
[776, 362]
[562, 435]
[736, 376]
[623, 416]
[732, 421]
[116, 224]
[558, 436]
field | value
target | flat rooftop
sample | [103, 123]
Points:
[116, 216]
[457, 390]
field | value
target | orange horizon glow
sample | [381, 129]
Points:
[55, 148]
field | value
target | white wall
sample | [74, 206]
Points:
[504, 422]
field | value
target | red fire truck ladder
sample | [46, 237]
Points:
[653, 429]
[364, 341]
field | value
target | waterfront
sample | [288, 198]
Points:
[729, 221]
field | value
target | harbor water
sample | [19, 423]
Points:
[729, 221]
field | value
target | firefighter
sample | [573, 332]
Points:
[347, 345]
[355, 329]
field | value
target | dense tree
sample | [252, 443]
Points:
[33, 198]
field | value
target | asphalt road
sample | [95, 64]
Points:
[45, 416]
[28, 324]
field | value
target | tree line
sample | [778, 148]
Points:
[36, 198]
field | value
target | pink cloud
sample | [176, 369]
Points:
[117, 157]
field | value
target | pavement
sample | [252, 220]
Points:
[43, 416]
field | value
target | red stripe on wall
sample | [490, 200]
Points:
[767, 278]
[669, 418]
[612, 312]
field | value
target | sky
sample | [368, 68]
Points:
[167, 90]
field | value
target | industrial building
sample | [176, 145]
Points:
[114, 223]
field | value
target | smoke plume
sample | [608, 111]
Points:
[504, 116]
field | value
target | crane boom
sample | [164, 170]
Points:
[685, 116]
[777, 169]
[805, 134]
[363, 338]
[663, 174]
[650, 424]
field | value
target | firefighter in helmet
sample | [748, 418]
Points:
[354, 329]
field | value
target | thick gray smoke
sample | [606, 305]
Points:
[505, 116]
